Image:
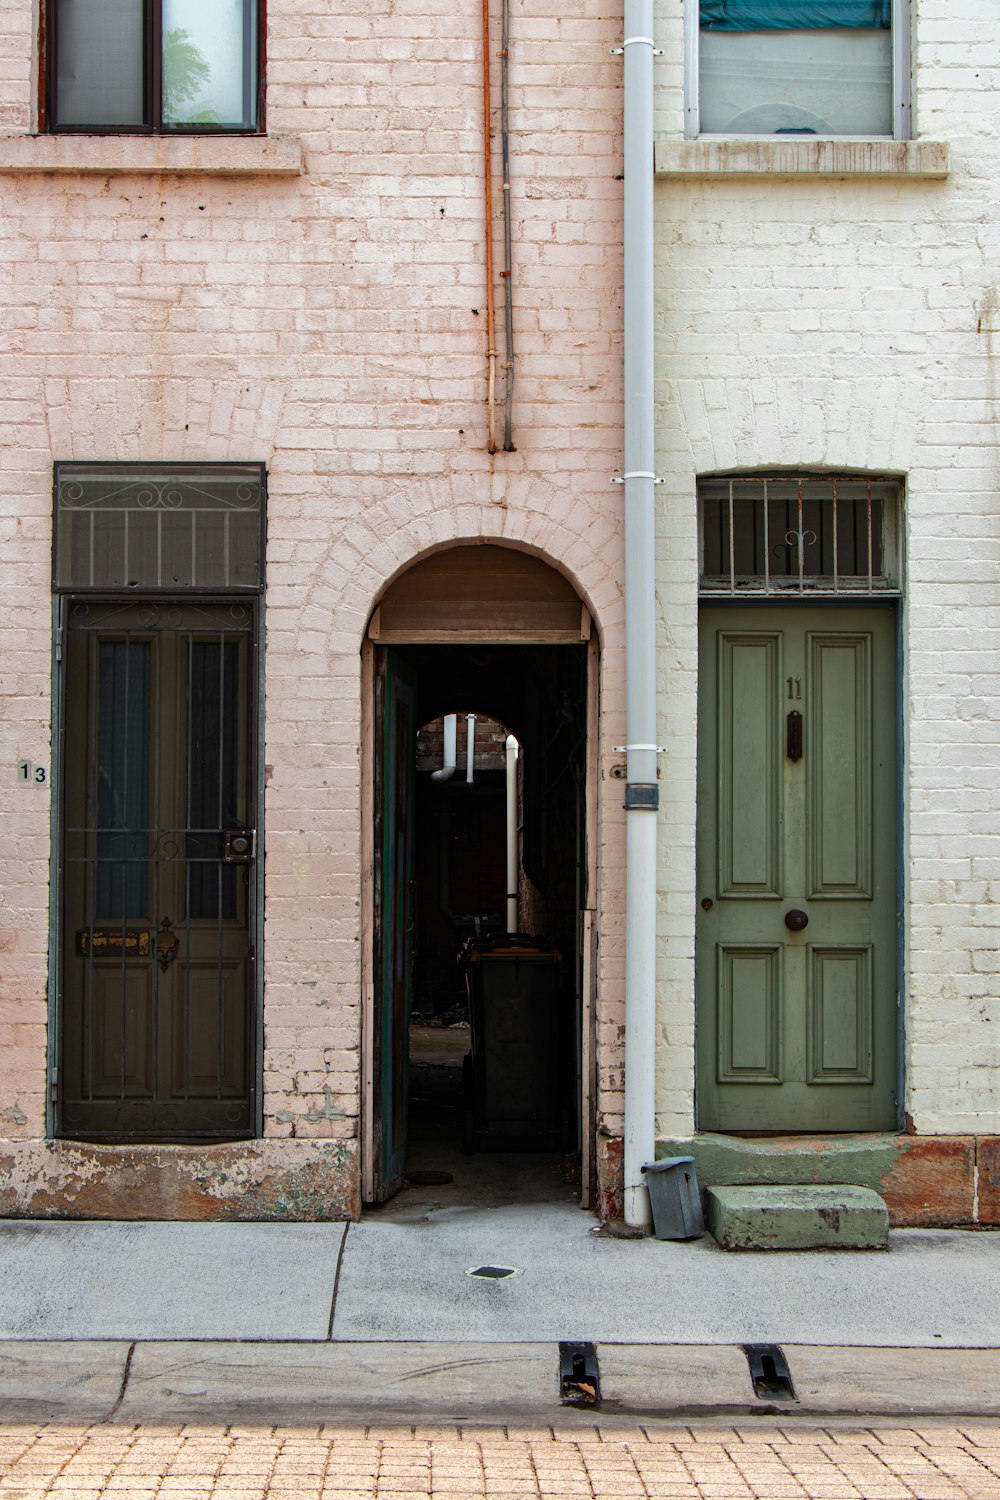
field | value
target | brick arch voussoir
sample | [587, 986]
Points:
[589, 560]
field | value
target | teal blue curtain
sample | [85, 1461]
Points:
[793, 15]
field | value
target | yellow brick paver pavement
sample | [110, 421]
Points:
[604, 1461]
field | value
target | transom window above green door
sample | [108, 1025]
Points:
[133, 66]
[794, 534]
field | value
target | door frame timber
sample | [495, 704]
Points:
[370, 933]
[588, 935]
[61, 606]
[896, 605]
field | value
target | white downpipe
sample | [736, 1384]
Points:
[447, 770]
[470, 747]
[513, 863]
[641, 792]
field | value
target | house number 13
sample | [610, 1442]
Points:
[31, 775]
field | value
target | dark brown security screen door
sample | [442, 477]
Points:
[158, 845]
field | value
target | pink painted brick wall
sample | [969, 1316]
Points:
[332, 324]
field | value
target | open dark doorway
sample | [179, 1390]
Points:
[480, 1052]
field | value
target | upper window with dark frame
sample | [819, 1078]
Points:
[137, 66]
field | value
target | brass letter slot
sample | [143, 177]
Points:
[112, 942]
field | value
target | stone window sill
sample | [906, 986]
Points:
[242, 155]
[725, 157]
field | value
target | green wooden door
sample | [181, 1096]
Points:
[797, 1028]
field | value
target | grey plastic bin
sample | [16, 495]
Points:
[674, 1198]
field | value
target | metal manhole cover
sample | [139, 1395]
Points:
[494, 1273]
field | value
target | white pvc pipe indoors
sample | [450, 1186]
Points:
[513, 863]
[449, 757]
[470, 748]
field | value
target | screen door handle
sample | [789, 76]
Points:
[238, 845]
[167, 944]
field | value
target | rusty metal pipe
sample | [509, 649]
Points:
[508, 269]
[491, 352]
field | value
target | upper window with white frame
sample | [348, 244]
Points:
[148, 66]
[797, 68]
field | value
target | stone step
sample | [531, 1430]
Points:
[776, 1217]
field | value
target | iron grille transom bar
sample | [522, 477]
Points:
[819, 535]
[137, 529]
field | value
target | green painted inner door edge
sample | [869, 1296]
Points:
[398, 769]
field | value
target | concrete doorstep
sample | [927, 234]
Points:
[317, 1382]
[781, 1217]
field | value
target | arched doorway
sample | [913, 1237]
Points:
[493, 635]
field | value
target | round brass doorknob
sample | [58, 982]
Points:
[795, 920]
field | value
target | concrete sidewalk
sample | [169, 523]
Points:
[135, 1321]
[386, 1279]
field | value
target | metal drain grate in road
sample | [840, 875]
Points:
[493, 1273]
[772, 1380]
[579, 1375]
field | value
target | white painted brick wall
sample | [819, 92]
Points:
[854, 323]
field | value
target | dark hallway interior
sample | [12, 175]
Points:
[462, 1144]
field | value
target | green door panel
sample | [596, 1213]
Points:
[749, 767]
[839, 765]
[797, 1029]
[839, 1017]
[749, 1012]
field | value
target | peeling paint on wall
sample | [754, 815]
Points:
[309, 1181]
